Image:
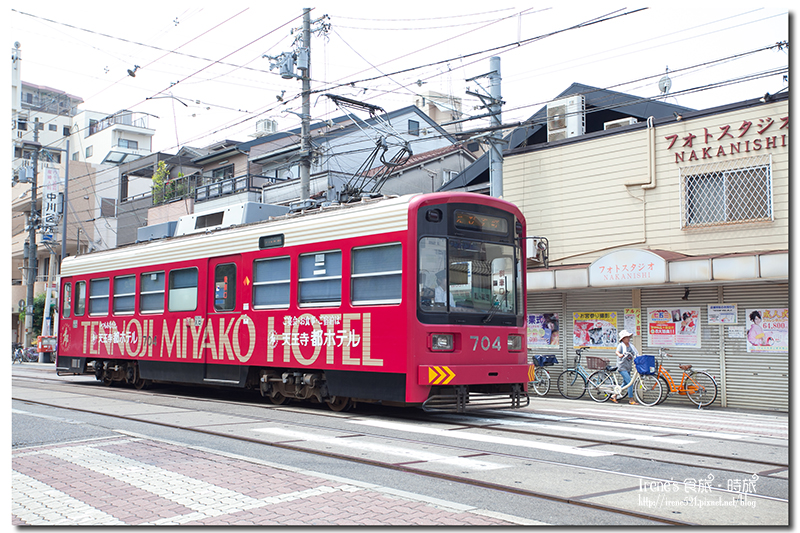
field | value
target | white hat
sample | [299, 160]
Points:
[625, 333]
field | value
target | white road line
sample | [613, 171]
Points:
[406, 454]
[491, 439]
[677, 429]
[39, 504]
[205, 499]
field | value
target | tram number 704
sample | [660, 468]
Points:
[485, 343]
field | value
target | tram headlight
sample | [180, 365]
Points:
[515, 343]
[442, 342]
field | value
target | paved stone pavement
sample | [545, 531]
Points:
[132, 480]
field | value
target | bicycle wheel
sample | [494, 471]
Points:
[600, 386]
[647, 390]
[664, 389]
[571, 384]
[541, 381]
[701, 388]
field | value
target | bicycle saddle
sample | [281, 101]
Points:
[610, 368]
[685, 367]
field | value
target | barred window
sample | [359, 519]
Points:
[732, 192]
[151, 295]
[377, 274]
[124, 294]
[271, 281]
[320, 280]
[98, 296]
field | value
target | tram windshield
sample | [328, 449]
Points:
[466, 276]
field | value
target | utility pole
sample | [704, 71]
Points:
[64, 208]
[33, 223]
[493, 103]
[286, 62]
[304, 65]
[495, 140]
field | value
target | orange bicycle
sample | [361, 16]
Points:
[698, 385]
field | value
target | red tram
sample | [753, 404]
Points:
[413, 300]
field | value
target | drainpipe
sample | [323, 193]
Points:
[651, 154]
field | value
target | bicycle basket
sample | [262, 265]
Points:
[645, 364]
[545, 360]
[596, 363]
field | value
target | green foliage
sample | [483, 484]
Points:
[38, 313]
[165, 189]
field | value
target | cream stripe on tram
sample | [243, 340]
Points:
[335, 225]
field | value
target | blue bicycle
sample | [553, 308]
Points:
[572, 382]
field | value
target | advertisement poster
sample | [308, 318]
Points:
[633, 321]
[597, 330]
[723, 314]
[768, 330]
[673, 326]
[543, 330]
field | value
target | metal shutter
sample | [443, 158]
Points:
[595, 300]
[549, 302]
[756, 380]
[707, 357]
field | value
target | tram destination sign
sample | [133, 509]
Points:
[270, 241]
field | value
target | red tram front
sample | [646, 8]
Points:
[414, 300]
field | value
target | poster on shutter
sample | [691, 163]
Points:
[633, 321]
[672, 326]
[543, 330]
[723, 314]
[596, 330]
[767, 330]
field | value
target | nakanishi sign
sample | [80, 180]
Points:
[628, 267]
[745, 137]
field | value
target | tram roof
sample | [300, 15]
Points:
[333, 223]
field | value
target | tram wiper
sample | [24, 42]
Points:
[495, 308]
[492, 312]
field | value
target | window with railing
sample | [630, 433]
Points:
[732, 192]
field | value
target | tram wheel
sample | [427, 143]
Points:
[339, 403]
[142, 384]
[279, 399]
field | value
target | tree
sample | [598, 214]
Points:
[38, 314]
[165, 189]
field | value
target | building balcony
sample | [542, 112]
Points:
[127, 120]
[203, 188]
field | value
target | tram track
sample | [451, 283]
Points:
[588, 441]
[578, 500]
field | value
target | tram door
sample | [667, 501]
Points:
[224, 309]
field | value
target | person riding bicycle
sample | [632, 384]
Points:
[625, 354]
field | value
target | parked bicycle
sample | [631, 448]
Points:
[541, 377]
[605, 383]
[698, 385]
[29, 355]
[572, 382]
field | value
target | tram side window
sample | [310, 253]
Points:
[67, 303]
[377, 274]
[182, 290]
[124, 294]
[225, 287]
[320, 280]
[80, 298]
[98, 296]
[151, 292]
[271, 282]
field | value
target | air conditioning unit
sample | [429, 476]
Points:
[566, 118]
[627, 121]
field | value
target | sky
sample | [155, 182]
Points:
[202, 76]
